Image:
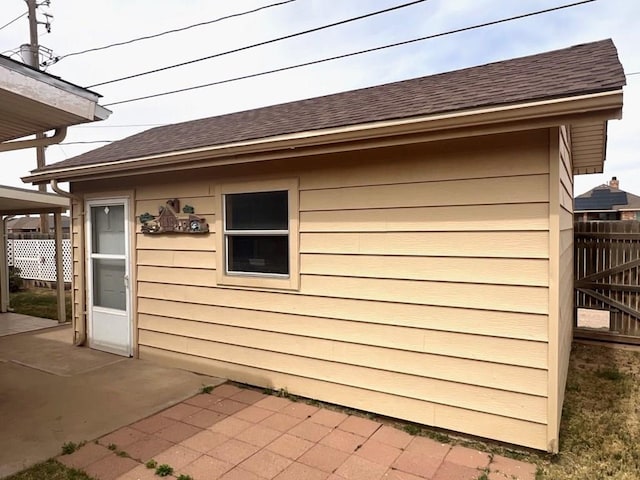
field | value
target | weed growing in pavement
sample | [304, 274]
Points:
[69, 447]
[206, 389]
[164, 470]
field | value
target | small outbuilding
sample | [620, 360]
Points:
[405, 249]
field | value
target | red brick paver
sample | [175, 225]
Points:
[290, 446]
[266, 464]
[233, 451]
[392, 436]
[379, 452]
[84, 456]
[122, 437]
[360, 426]
[467, 457]
[507, 468]
[358, 468]
[328, 418]
[141, 472]
[111, 467]
[204, 418]
[249, 396]
[153, 423]
[345, 441]
[454, 471]
[273, 403]
[148, 447]
[299, 471]
[206, 467]
[204, 441]
[323, 458]
[180, 411]
[241, 434]
[177, 456]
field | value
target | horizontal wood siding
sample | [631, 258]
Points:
[485, 425]
[423, 290]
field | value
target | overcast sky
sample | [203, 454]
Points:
[83, 24]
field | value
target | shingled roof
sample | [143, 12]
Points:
[578, 70]
[605, 198]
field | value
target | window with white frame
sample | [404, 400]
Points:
[257, 232]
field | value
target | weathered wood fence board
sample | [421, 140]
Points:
[607, 271]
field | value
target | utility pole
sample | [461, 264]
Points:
[34, 61]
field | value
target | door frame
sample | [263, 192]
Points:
[116, 199]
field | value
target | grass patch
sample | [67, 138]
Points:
[600, 427]
[50, 470]
[39, 302]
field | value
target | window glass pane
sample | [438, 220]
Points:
[108, 283]
[257, 211]
[258, 253]
[108, 229]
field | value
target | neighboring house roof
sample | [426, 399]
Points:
[33, 101]
[571, 72]
[32, 224]
[606, 198]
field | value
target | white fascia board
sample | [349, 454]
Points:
[46, 93]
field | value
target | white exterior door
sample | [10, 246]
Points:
[109, 318]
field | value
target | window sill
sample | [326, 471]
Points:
[258, 281]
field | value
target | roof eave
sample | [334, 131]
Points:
[581, 110]
[20, 201]
[33, 101]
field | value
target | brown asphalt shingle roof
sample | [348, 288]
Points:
[581, 69]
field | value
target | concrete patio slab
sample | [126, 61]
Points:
[50, 351]
[12, 323]
[238, 446]
[53, 392]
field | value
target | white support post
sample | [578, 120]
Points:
[4, 268]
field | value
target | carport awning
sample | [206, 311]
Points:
[33, 101]
[20, 201]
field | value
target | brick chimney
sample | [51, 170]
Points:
[614, 183]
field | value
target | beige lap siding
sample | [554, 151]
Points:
[565, 293]
[423, 295]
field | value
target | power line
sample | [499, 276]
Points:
[167, 32]
[266, 42]
[632, 73]
[352, 54]
[14, 20]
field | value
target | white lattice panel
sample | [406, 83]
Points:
[36, 259]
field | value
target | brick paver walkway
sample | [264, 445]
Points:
[241, 434]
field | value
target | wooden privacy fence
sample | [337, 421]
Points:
[607, 272]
